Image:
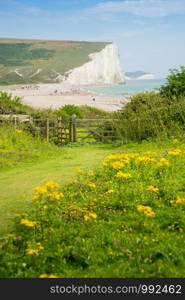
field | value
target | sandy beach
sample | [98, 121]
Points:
[57, 95]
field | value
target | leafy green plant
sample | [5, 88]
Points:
[175, 85]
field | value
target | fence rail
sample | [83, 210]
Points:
[63, 131]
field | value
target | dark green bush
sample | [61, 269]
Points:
[69, 110]
[151, 114]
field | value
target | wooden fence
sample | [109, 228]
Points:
[73, 130]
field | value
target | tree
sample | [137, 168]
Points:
[175, 85]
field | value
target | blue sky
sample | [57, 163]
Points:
[150, 33]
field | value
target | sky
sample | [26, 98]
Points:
[150, 34]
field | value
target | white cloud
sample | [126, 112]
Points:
[143, 8]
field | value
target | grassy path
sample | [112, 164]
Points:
[16, 184]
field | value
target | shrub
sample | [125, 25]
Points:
[69, 110]
[175, 85]
[151, 115]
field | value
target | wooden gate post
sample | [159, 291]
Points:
[47, 129]
[70, 130]
[59, 129]
[74, 127]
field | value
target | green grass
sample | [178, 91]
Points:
[102, 225]
[17, 182]
[17, 179]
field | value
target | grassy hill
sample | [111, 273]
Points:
[33, 61]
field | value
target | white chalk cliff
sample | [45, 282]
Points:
[103, 68]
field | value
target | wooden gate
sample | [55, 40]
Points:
[92, 130]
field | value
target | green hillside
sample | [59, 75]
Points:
[41, 61]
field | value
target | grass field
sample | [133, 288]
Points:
[25, 162]
[17, 182]
[99, 222]
[99, 210]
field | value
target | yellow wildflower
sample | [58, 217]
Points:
[51, 184]
[41, 190]
[147, 210]
[93, 215]
[152, 189]
[117, 165]
[145, 159]
[18, 130]
[92, 185]
[163, 162]
[89, 216]
[47, 276]
[86, 217]
[178, 201]
[35, 197]
[32, 252]
[110, 191]
[33, 249]
[79, 171]
[28, 223]
[174, 152]
[123, 175]
[56, 195]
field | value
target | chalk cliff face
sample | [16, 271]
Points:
[103, 68]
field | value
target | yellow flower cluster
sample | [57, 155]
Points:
[34, 249]
[178, 201]
[90, 216]
[117, 161]
[145, 159]
[41, 190]
[123, 175]
[163, 162]
[117, 165]
[56, 195]
[51, 185]
[47, 276]
[28, 223]
[147, 210]
[46, 190]
[152, 189]
[174, 152]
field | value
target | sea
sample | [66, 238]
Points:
[127, 90]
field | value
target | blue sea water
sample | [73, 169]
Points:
[127, 90]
